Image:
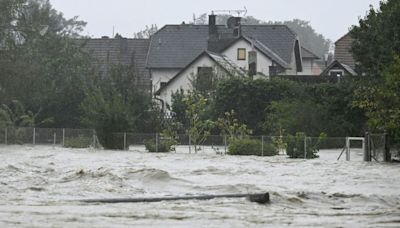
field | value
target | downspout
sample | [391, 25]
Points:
[161, 101]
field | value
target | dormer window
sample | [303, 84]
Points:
[241, 54]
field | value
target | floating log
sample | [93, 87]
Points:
[261, 198]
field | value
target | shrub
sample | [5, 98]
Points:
[251, 147]
[78, 142]
[164, 146]
[295, 146]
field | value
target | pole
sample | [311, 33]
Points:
[63, 136]
[367, 149]
[305, 147]
[262, 146]
[190, 144]
[125, 141]
[94, 139]
[157, 142]
[54, 139]
[347, 149]
[34, 136]
[5, 136]
[225, 143]
[386, 155]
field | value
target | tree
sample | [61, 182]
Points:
[115, 105]
[381, 101]
[377, 38]
[200, 128]
[146, 33]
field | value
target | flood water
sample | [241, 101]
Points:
[42, 187]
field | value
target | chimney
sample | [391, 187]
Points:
[212, 26]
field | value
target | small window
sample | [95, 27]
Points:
[241, 54]
[163, 84]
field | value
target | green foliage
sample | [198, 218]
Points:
[251, 98]
[118, 105]
[179, 107]
[248, 146]
[200, 128]
[80, 141]
[163, 145]
[377, 37]
[296, 146]
[381, 101]
[231, 126]
[15, 115]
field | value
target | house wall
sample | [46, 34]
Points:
[310, 67]
[162, 75]
[263, 62]
[342, 51]
[293, 67]
[183, 81]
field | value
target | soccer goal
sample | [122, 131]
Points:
[347, 147]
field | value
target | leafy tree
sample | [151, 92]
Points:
[377, 37]
[381, 101]
[231, 126]
[15, 115]
[116, 104]
[200, 128]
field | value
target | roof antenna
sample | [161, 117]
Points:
[240, 13]
[113, 31]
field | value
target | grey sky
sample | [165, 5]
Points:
[332, 18]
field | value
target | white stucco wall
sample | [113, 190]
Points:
[307, 67]
[183, 81]
[263, 62]
[162, 75]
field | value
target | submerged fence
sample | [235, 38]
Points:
[293, 146]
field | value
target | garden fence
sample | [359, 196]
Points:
[294, 146]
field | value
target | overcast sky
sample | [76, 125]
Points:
[331, 18]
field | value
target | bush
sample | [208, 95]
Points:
[250, 147]
[164, 146]
[78, 142]
[295, 146]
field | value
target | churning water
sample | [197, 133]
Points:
[42, 186]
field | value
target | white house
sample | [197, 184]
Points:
[177, 52]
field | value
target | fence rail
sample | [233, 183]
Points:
[301, 147]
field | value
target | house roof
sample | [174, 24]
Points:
[174, 46]
[336, 63]
[222, 61]
[120, 51]
[307, 54]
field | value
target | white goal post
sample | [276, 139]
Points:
[348, 144]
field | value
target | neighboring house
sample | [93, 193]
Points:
[178, 51]
[312, 64]
[110, 52]
[344, 63]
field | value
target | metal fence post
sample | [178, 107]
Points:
[225, 144]
[54, 139]
[34, 136]
[386, 153]
[125, 141]
[190, 144]
[156, 142]
[347, 149]
[94, 139]
[262, 146]
[63, 137]
[5, 136]
[367, 151]
[305, 147]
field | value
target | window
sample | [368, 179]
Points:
[163, 84]
[241, 54]
[204, 80]
[336, 73]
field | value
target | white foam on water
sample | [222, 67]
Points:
[41, 187]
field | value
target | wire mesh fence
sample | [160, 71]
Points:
[298, 146]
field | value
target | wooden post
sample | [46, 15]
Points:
[261, 198]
